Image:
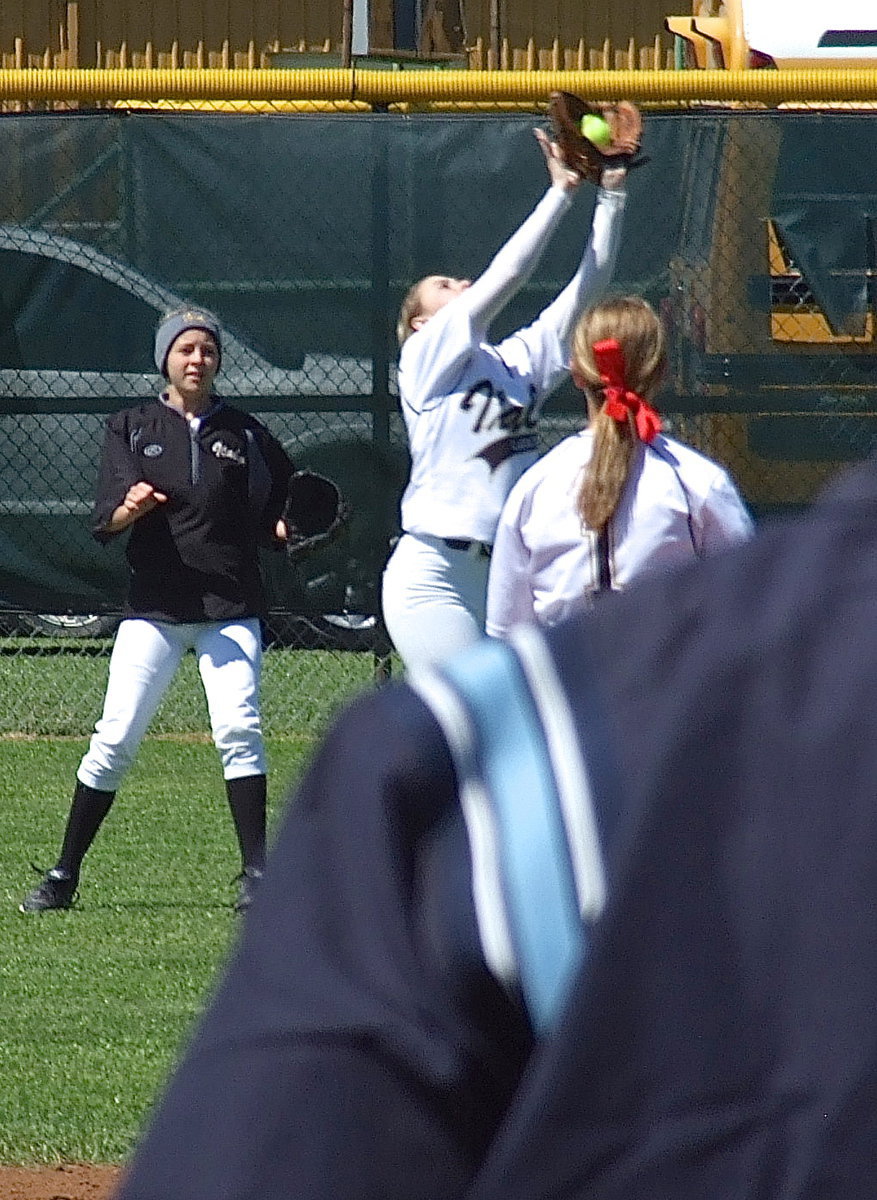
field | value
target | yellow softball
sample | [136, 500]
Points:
[596, 129]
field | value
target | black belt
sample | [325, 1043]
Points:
[466, 544]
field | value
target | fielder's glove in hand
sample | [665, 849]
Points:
[315, 513]
[565, 112]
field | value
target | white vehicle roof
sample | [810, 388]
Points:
[812, 29]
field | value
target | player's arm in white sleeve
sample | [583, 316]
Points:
[547, 341]
[509, 586]
[433, 357]
[724, 518]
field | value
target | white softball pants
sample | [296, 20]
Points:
[145, 658]
[434, 599]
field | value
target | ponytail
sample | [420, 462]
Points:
[618, 358]
[607, 472]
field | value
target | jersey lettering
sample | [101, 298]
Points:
[497, 411]
[221, 450]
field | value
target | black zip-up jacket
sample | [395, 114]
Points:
[194, 557]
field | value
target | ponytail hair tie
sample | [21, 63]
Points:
[620, 402]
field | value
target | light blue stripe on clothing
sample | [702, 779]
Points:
[512, 757]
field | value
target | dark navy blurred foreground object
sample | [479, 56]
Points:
[720, 1037]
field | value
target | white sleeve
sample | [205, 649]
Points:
[509, 590]
[546, 342]
[433, 357]
[724, 518]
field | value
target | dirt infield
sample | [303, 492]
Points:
[70, 1181]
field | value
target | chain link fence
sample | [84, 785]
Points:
[771, 301]
[752, 232]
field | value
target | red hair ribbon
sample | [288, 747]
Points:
[619, 400]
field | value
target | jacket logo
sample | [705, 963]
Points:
[152, 450]
[222, 451]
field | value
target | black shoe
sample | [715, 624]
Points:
[56, 889]
[248, 883]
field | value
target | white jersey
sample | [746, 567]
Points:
[471, 408]
[677, 505]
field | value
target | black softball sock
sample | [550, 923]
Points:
[246, 799]
[87, 811]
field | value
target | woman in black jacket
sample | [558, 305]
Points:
[199, 484]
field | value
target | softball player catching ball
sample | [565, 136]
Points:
[615, 500]
[199, 484]
[472, 411]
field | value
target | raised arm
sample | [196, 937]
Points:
[546, 343]
[434, 355]
[513, 265]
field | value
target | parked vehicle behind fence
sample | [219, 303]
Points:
[783, 34]
[64, 366]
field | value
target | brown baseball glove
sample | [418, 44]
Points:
[617, 132]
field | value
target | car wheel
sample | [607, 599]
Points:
[332, 631]
[349, 631]
[71, 625]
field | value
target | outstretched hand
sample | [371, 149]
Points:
[140, 499]
[561, 175]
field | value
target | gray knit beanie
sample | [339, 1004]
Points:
[171, 326]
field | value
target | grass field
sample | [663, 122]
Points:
[95, 1002]
[57, 689]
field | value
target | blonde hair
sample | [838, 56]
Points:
[635, 325]
[409, 310]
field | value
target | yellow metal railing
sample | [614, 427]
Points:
[463, 88]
